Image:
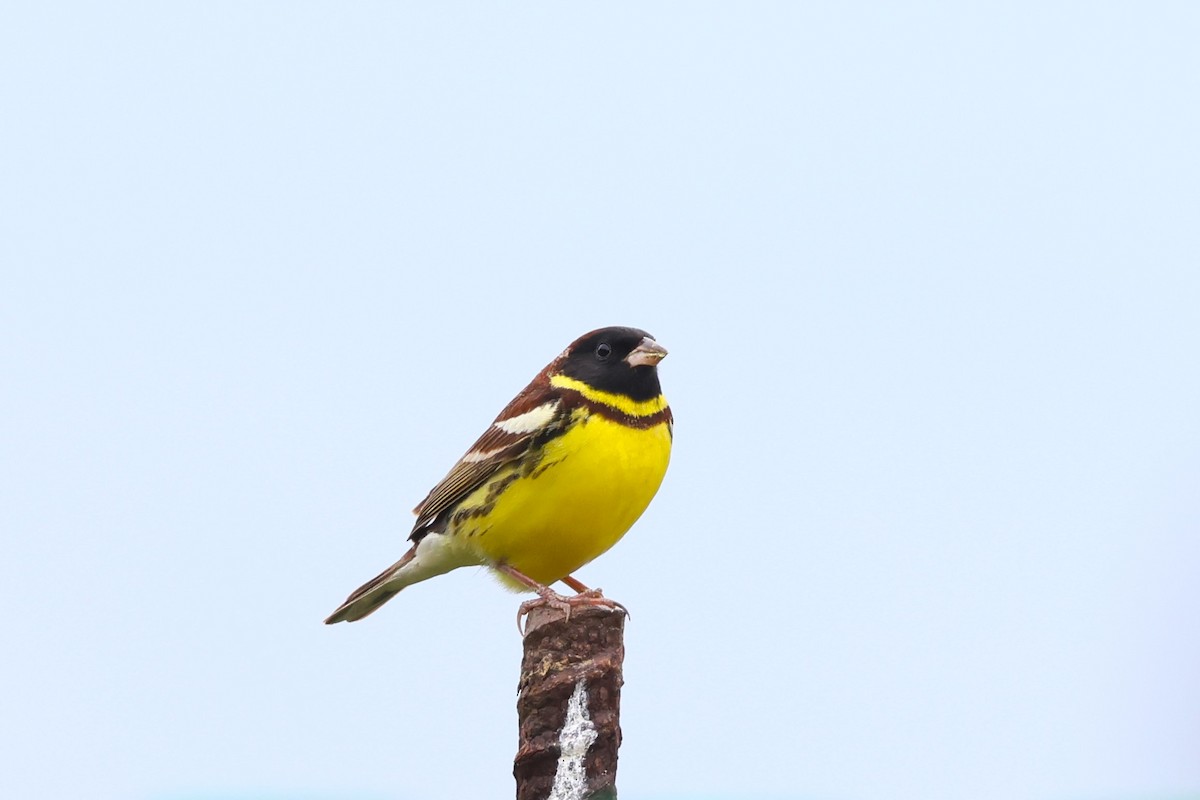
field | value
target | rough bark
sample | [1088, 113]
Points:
[568, 705]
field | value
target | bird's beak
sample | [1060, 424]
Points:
[646, 354]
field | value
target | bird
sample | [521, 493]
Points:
[556, 480]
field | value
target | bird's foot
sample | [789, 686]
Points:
[591, 598]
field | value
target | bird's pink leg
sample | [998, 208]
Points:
[578, 586]
[592, 597]
[586, 598]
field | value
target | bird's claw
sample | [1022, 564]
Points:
[592, 598]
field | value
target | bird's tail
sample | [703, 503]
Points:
[364, 600]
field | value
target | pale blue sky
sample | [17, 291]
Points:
[930, 279]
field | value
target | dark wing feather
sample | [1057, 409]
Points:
[467, 476]
[495, 449]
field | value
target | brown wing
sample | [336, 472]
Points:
[529, 420]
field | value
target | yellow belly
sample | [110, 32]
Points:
[591, 486]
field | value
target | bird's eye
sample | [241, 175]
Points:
[603, 351]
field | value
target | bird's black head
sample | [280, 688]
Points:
[618, 360]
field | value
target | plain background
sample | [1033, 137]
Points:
[930, 279]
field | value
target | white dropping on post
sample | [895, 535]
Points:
[577, 737]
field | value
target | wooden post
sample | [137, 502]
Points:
[569, 705]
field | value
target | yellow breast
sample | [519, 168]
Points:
[592, 484]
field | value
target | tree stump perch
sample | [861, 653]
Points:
[568, 705]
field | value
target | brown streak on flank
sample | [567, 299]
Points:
[494, 490]
[538, 469]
